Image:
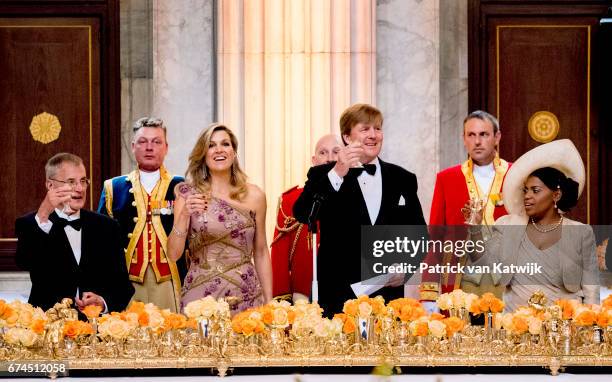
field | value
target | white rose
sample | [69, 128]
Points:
[444, 301]
[156, 320]
[470, 298]
[13, 335]
[365, 309]
[535, 325]
[27, 337]
[497, 321]
[507, 321]
[437, 328]
[457, 298]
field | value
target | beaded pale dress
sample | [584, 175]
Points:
[221, 255]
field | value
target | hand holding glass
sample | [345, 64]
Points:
[474, 209]
[356, 144]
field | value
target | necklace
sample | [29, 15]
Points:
[549, 229]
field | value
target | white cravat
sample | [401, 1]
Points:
[484, 176]
[74, 236]
[370, 185]
[149, 180]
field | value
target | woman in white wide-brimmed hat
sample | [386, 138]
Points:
[535, 247]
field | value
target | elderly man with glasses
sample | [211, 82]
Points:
[69, 251]
[143, 204]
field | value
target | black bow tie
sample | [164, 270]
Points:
[76, 223]
[369, 168]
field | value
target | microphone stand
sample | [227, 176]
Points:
[312, 228]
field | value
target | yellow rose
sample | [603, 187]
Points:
[437, 328]
[280, 317]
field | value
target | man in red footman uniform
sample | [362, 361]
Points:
[291, 249]
[480, 177]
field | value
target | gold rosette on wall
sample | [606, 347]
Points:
[45, 128]
[543, 126]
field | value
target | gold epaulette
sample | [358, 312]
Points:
[429, 291]
[284, 297]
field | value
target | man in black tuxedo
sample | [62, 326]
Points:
[69, 251]
[378, 193]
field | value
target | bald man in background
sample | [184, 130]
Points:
[291, 249]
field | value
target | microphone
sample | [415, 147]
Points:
[317, 200]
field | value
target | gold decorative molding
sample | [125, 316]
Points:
[45, 128]
[543, 126]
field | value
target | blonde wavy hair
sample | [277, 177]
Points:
[197, 173]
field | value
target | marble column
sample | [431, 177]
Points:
[408, 87]
[136, 30]
[183, 73]
[453, 81]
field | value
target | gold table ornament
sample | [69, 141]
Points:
[45, 128]
[543, 126]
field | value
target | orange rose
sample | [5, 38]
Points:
[436, 317]
[3, 306]
[419, 328]
[248, 326]
[143, 318]
[341, 316]
[70, 329]
[585, 318]
[497, 306]
[291, 316]
[267, 315]
[38, 326]
[604, 318]
[136, 307]
[349, 326]
[351, 308]
[453, 325]
[92, 311]
[519, 324]
[567, 308]
[191, 324]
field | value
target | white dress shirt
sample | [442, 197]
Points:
[74, 238]
[484, 176]
[149, 180]
[371, 188]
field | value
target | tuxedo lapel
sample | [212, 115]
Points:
[355, 198]
[386, 202]
[86, 237]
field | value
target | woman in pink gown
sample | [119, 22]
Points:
[220, 218]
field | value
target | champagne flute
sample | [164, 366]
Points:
[203, 215]
[67, 210]
[355, 143]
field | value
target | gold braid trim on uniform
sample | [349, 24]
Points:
[290, 224]
[108, 190]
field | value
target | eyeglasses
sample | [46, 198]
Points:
[85, 182]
